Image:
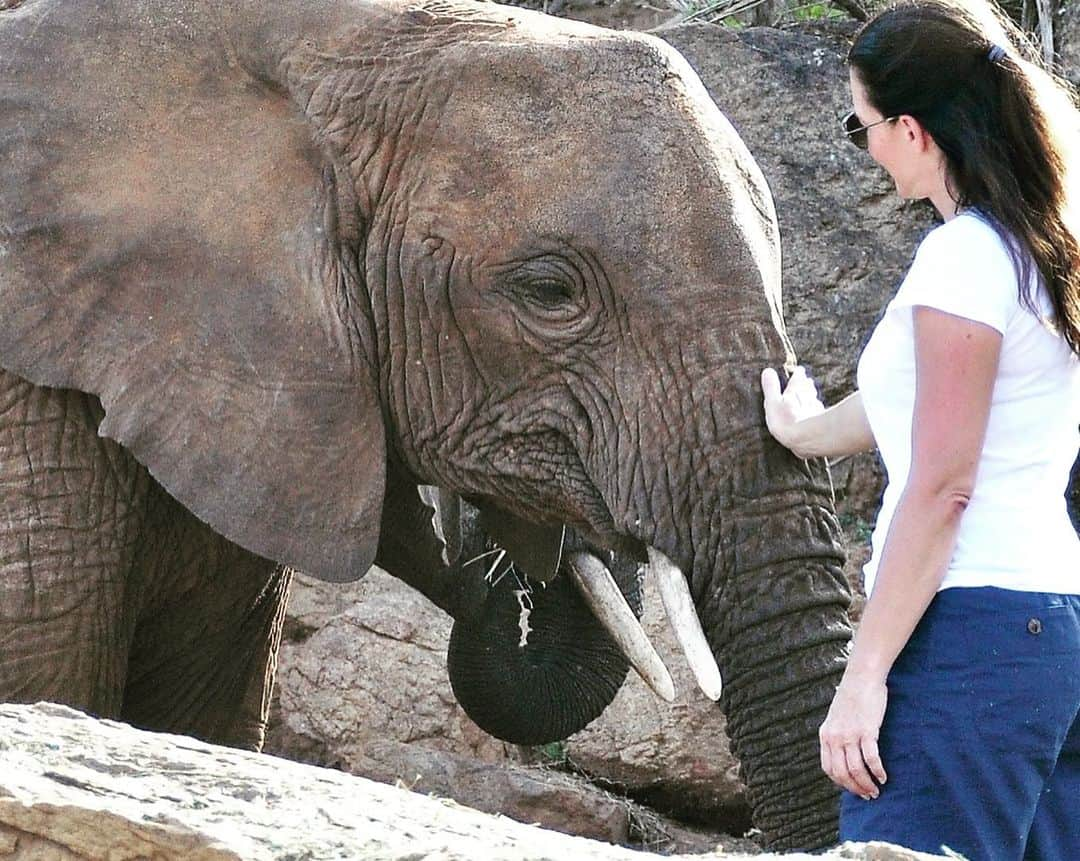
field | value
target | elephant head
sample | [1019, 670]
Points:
[313, 254]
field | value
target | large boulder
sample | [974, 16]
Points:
[72, 787]
[362, 686]
[366, 662]
[76, 789]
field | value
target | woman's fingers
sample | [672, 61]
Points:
[804, 391]
[849, 735]
[800, 388]
[786, 406]
[845, 765]
[770, 385]
[779, 411]
[835, 764]
[857, 773]
[872, 758]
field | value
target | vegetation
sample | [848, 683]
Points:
[1035, 17]
[856, 529]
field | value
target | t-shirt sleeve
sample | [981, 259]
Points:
[963, 269]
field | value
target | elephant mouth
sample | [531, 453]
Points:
[601, 592]
[542, 553]
[609, 605]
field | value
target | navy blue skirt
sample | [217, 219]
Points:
[981, 738]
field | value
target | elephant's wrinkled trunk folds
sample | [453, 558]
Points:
[753, 529]
[774, 604]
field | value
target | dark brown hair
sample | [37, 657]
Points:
[1003, 122]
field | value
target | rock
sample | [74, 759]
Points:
[545, 797]
[616, 14]
[366, 662]
[72, 787]
[672, 756]
[1068, 30]
[858, 555]
[362, 686]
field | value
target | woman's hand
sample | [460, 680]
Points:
[849, 749]
[785, 409]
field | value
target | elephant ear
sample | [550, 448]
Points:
[169, 241]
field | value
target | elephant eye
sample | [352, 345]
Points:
[548, 292]
[546, 286]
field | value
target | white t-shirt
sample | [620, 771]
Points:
[1015, 532]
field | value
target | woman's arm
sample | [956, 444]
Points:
[799, 421]
[956, 364]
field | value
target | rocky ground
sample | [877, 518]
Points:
[76, 789]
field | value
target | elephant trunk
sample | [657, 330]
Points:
[782, 670]
[528, 661]
[765, 571]
[780, 628]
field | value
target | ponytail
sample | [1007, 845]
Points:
[1007, 127]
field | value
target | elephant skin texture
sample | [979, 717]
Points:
[269, 271]
[675, 758]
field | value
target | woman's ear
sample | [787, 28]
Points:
[915, 133]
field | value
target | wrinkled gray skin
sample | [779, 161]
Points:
[268, 267]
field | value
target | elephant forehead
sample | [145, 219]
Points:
[609, 105]
[612, 139]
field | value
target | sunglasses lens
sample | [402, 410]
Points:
[855, 132]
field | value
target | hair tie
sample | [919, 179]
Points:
[995, 53]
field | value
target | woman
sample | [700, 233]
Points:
[956, 722]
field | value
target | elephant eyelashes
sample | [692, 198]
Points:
[548, 287]
[548, 293]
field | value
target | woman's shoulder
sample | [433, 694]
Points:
[963, 267]
[971, 236]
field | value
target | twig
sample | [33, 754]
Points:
[853, 8]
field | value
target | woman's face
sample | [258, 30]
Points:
[907, 151]
[886, 140]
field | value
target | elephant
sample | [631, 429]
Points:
[291, 286]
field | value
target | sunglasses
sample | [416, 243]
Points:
[856, 133]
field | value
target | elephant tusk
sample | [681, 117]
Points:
[675, 593]
[609, 606]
